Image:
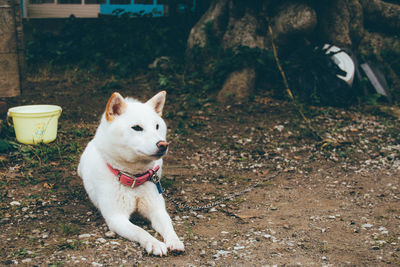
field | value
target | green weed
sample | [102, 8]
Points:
[67, 229]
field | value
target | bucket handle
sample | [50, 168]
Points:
[9, 119]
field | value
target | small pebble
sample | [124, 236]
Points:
[82, 236]
[366, 225]
[110, 234]
[101, 240]
[15, 203]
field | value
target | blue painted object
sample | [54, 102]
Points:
[155, 9]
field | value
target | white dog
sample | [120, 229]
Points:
[120, 169]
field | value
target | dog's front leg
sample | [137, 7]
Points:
[121, 225]
[162, 223]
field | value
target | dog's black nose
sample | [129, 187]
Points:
[162, 146]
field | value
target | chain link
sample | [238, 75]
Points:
[185, 206]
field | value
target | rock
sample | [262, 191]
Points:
[28, 260]
[366, 225]
[279, 128]
[213, 210]
[101, 240]
[221, 253]
[110, 234]
[15, 203]
[84, 236]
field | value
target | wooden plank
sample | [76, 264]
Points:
[63, 10]
[9, 50]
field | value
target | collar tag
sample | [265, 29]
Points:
[156, 180]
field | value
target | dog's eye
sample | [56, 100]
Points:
[137, 128]
[157, 126]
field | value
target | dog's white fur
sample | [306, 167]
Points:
[132, 151]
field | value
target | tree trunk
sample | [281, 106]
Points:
[216, 15]
[10, 48]
[344, 23]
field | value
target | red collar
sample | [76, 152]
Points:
[136, 179]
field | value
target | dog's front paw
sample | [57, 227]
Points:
[156, 247]
[175, 245]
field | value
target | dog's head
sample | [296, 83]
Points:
[133, 131]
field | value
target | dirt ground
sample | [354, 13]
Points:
[332, 203]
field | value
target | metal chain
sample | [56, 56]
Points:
[185, 206]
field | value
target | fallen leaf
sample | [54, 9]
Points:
[48, 186]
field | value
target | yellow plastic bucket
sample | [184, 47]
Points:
[35, 123]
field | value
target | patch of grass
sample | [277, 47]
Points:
[323, 248]
[167, 183]
[58, 263]
[67, 229]
[37, 155]
[22, 252]
[189, 234]
[77, 193]
[76, 132]
[72, 244]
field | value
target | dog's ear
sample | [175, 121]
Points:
[116, 105]
[157, 102]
